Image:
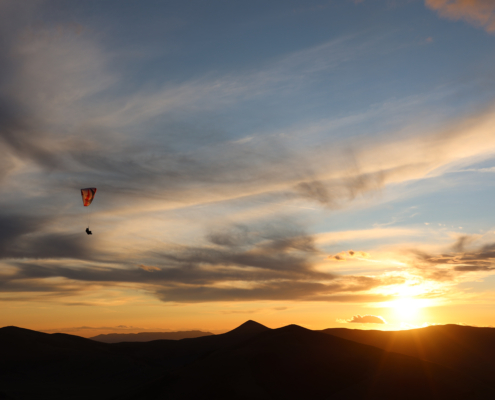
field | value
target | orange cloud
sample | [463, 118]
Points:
[149, 268]
[477, 12]
[360, 254]
[338, 257]
[343, 256]
[364, 319]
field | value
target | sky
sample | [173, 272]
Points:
[322, 163]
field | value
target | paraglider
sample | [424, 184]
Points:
[88, 195]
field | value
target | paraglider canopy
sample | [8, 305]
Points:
[88, 195]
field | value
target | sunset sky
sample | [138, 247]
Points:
[322, 163]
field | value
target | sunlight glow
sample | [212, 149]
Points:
[406, 307]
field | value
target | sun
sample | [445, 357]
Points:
[406, 307]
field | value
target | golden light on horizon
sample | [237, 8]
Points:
[408, 308]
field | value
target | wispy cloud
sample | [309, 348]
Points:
[80, 127]
[449, 265]
[483, 170]
[477, 12]
[280, 266]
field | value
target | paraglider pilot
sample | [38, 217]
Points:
[88, 195]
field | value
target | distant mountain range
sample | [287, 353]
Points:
[253, 362]
[148, 336]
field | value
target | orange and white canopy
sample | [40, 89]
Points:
[88, 195]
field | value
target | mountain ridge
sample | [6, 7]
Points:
[251, 361]
[293, 362]
[148, 336]
[456, 346]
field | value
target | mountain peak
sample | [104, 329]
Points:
[15, 330]
[250, 327]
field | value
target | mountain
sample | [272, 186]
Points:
[467, 349]
[148, 336]
[248, 328]
[60, 366]
[296, 363]
[173, 354]
[249, 362]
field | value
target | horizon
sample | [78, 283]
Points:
[321, 163]
[103, 331]
[437, 362]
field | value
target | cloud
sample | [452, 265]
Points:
[461, 242]
[365, 319]
[338, 257]
[477, 12]
[276, 263]
[447, 266]
[358, 254]
[258, 310]
[149, 268]
[343, 256]
[288, 291]
[26, 236]
[483, 170]
[227, 312]
[363, 234]
[39, 86]
[337, 193]
[68, 128]
[80, 129]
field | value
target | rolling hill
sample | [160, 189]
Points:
[249, 362]
[296, 363]
[468, 349]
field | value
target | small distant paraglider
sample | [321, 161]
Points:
[88, 194]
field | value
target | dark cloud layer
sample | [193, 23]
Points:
[254, 266]
[447, 266]
[29, 237]
[336, 194]
[18, 134]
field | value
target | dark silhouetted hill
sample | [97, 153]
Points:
[60, 366]
[36, 365]
[148, 336]
[249, 362]
[296, 363]
[172, 354]
[248, 328]
[468, 349]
